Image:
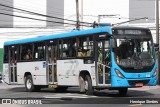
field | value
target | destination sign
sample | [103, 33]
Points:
[130, 32]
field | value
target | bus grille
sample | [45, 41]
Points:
[128, 70]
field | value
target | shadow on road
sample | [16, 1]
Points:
[103, 93]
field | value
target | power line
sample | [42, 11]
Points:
[22, 5]
[34, 18]
[34, 13]
[40, 19]
[130, 21]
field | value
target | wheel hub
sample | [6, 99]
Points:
[29, 84]
[86, 85]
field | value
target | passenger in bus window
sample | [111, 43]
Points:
[72, 50]
[29, 55]
[11, 61]
[50, 59]
[81, 53]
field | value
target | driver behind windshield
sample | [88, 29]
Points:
[125, 49]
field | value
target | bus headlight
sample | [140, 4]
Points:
[119, 74]
[155, 72]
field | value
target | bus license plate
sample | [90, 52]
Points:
[139, 84]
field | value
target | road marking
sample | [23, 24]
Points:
[10, 94]
[135, 105]
[68, 95]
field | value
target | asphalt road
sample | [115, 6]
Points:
[72, 97]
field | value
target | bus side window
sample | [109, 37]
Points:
[6, 54]
[85, 46]
[26, 52]
[39, 51]
[60, 47]
[107, 53]
[69, 48]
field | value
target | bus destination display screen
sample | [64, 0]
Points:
[130, 32]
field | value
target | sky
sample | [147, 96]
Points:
[91, 10]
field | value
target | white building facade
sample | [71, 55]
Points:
[13, 26]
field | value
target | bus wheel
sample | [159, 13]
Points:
[123, 91]
[88, 85]
[29, 84]
[81, 84]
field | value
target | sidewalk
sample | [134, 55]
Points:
[6, 86]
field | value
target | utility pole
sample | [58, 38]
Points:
[157, 21]
[81, 12]
[77, 12]
[157, 35]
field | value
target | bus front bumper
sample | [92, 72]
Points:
[124, 82]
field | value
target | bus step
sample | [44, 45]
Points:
[52, 86]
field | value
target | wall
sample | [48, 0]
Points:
[30, 5]
[55, 8]
[6, 21]
[142, 8]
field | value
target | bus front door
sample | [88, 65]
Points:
[52, 64]
[103, 63]
[13, 65]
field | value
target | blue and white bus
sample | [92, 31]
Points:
[100, 58]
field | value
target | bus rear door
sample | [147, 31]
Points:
[51, 55]
[13, 65]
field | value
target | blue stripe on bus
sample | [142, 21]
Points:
[62, 35]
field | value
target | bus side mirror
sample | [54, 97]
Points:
[156, 46]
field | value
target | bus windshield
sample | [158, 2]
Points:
[134, 52]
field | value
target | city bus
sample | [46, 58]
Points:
[115, 58]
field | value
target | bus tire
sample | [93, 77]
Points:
[81, 84]
[29, 84]
[88, 85]
[123, 91]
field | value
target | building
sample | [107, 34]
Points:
[111, 11]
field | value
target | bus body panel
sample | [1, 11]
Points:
[123, 82]
[131, 78]
[37, 70]
[68, 71]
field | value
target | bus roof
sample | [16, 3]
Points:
[62, 35]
